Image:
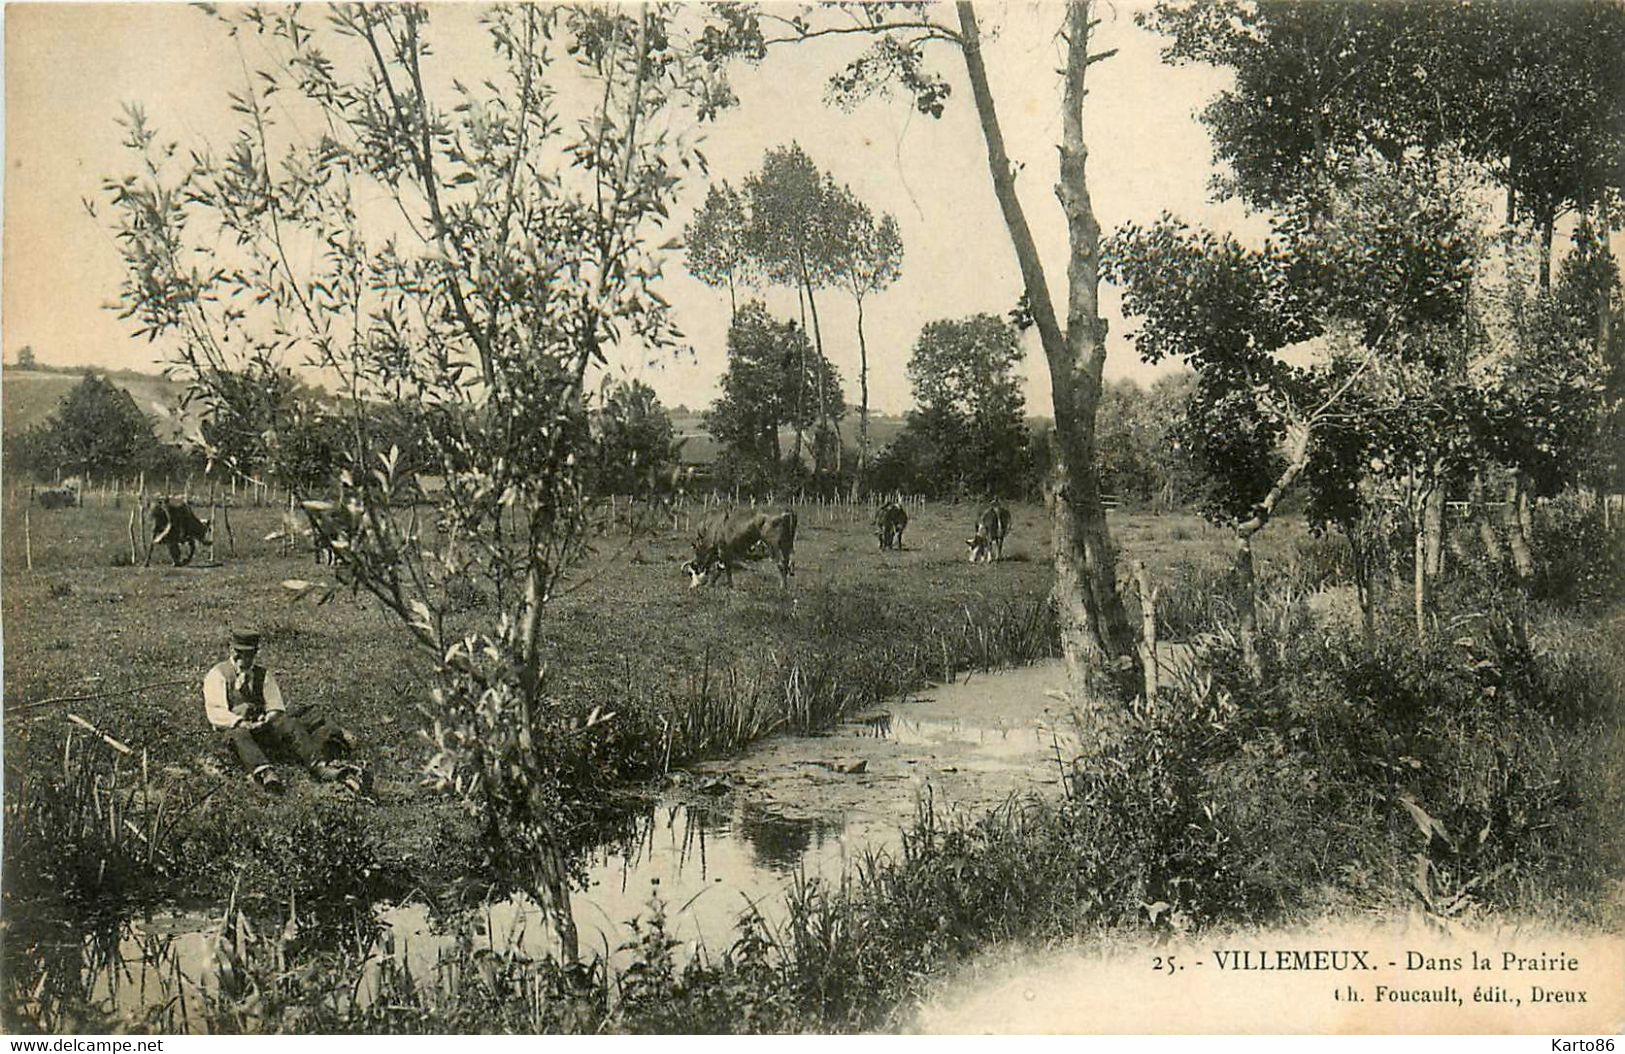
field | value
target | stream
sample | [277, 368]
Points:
[733, 835]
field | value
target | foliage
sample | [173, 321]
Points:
[1315, 83]
[716, 241]
[969, 434]
[770, 367]
[516, 249]
[633, 441]
[26, 359]
[97, 429]
[262, 422]
[1142, 458]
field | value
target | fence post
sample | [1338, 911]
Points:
[225, 519]
[28, 543]
[1148, 628]
[132, 538]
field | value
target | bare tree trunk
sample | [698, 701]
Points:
[1523, 561]
[863, 398]
[1247, 613]
[1095, 632]
[1297, 458]
[801, 378]
[823, 388]
[1433, 530]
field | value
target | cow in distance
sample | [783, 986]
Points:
[992, 527]
[890, 521]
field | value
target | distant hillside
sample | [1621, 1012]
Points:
[30, 396]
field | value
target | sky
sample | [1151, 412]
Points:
[70, 68]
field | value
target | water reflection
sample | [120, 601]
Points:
[704, 862]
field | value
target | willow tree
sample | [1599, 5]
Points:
[472, 250]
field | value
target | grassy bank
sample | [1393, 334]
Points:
[689, 674]
[1475, 773]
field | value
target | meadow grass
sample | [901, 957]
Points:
[1230, 802]
[691, 673]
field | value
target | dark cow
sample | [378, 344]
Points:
[890, 520]
[62, 497]
[726, 538]
[991, 528]
[174, 524]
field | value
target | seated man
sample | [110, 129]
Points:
[242, 699]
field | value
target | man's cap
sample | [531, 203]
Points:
[244, 639]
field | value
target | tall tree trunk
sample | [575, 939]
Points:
[801, 378]
[1516, 518]
[823, 380]
[1095, 633]
[1433, 530]
[1547, 221]
[1247, 613]
[1297, 458]
[863, 400]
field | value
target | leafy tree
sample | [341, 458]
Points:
[970, 403]
[1530, 91]
[1096, 636]
[769, 365]
[869, 259]
[96, 430]
[793, 235]
[261, 422]
[634, 446]
[25, 357]
[717, 242]
[515, 248]
[1142, 457]
[1388, 258]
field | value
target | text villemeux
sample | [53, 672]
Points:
[1292, 959]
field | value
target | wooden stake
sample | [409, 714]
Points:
[133, 553]
[1148, 628]
[28, 543]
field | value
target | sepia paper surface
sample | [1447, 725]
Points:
[69, 69]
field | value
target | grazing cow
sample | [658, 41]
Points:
[991, 528]
[728, 537]
[64, 496]
[890, 520]
[175, 524]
